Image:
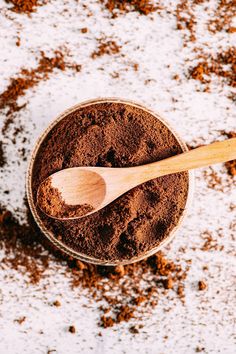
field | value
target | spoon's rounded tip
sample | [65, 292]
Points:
[51, 203]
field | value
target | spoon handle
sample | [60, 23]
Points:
[221, 151]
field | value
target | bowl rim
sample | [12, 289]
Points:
[57, 243]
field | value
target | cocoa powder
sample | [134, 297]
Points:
[105, 46]
[222, 64]
[114, 135]
[143, 7]
[27, 79]
[223, 17]
[25, 6]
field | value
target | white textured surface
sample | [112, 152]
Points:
[207, 319]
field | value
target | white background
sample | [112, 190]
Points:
[207, 318]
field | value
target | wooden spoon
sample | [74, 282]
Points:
[80, 191]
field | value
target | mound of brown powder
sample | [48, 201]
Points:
[115, 135]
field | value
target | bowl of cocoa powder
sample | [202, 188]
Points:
[112, 132]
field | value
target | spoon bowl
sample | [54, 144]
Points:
[81, 190]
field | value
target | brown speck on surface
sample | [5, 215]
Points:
[133, 330]
[176, 77]
[168, 283]
[180, 291]
[202, 285]
[57, 303]
[199, 349]
[107, 321]
[72, 329]
[231, 167]
[18, 42]
[84, 30]
[20, 320]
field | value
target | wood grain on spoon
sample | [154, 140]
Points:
[99, 186]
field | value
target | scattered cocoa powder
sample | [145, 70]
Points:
[231, 167]
[128, 290]
[223, 16]
[214, 181]
[18, 42]
[202, 285]
[180, 291]
[105, 46]
[210, 243]
[134, 330]
[144, 7]
[72, 329]
[21, 243]
[168, 283]
[20, 320]
[26, 79]
[57, 303]
[222, 64]
[25, 6]
[186, 20]
[84, 30]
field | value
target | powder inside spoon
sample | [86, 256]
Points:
[50, 201]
